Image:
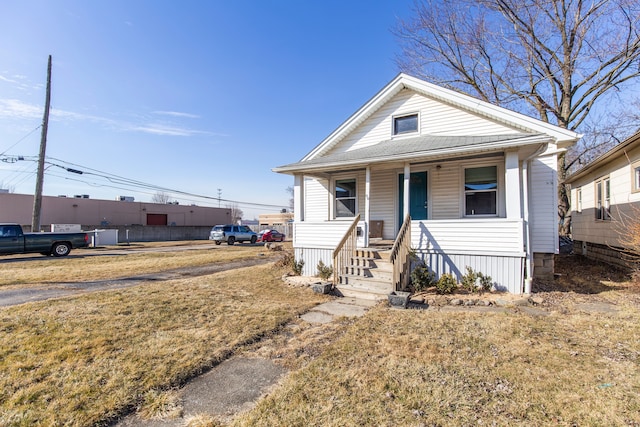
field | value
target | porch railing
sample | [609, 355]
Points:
[345, 250]
[400, 256]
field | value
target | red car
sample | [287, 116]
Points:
[270, 236]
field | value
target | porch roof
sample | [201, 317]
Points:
[421, 147]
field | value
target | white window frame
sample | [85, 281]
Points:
[579, 199]
[394, 118]
[499, 190]
[635, 177]
[336, 199]
[602, 196]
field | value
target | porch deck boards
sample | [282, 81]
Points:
[368, 276]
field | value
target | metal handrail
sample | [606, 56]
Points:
[345, 250]
[400, 256]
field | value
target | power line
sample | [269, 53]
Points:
[20, 140]
[117, 182]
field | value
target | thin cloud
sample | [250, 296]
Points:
[19, 82]
[157, 129]
[6, 79]
[176, 114]
[15, 109]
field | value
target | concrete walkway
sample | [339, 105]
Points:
[236, 384]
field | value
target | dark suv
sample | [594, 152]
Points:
[232, 233]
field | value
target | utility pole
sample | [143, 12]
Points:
[37, 199]
[219, 194]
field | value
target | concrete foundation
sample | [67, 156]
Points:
[598, 252]
[543, 265]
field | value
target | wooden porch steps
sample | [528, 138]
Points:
[368, 275]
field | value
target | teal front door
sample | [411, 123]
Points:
[418, 206]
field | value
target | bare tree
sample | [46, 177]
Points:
[558, 59]
[291, 202]
[161, 197]
[236, 213]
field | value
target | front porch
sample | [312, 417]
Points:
[493, 246]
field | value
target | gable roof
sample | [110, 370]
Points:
[615, 152]
[563, 137]
[421, 147]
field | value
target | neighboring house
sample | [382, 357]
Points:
[457, 180]
[605, 198]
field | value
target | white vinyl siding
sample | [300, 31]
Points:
[383, 201]
[487, 236]
[325, 235]
[506, 272]
[316, 199]
[585, 227]
[436, 118]
[635, 177]
[445, 191]
[543, 206]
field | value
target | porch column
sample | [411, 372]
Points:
[513, 191]
[407, 179]
[298, 197]
[367, 210]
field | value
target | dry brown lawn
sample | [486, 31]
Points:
[85, 360]
[82, 361]
[575, 366]
[80, 266]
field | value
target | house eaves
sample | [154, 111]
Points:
[563, 137]
[418, 148]
[615, 152]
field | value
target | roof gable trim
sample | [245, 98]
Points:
[482, 108]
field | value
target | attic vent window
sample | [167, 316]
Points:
[405, 124]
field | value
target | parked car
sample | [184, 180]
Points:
[270, 236]
[232, 233]
[15, 241]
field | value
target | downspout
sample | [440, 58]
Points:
[528, 280]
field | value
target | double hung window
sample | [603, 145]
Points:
[481, 190]
[345, 198]
[603, 199]
[579, 200]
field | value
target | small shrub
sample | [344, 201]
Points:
[324, 271]
[474, 281]
[422, 278]
[446, 284]
[485, 282]
[297, 267]
[468, 282]
[288, 261]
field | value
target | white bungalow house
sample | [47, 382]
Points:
[605, 201]
[458, 181]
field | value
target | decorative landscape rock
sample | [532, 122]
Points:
[536, 300]
[399, 299]
[322, 287]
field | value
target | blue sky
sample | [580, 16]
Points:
[193, 96]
